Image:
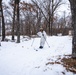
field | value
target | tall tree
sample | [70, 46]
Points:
[16, 19]
[3, 24]
[48, 9]
[73, 12]
[18, 24]
[0, 21]
[13, 25]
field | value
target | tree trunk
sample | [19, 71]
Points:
[3, 25]
[13, 22]
[73, 11]
[18, 24]
[3, 29]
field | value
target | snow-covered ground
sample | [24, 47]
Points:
[23, 59]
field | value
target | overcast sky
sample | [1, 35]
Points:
[66, 8]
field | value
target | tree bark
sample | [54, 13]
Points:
[13, 21]
[3, 27]
[73, 12]
[18, 24]
[3, 24]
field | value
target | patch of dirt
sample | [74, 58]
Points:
[68, 62]
[53, 63]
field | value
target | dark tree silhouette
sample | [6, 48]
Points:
[18, 24]
[73, 12]
[3, 24]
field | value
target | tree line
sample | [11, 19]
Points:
[32, 16]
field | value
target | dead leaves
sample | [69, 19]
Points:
[68, 62]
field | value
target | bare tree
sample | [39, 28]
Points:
[18, 19]
[32, 17]
[48, 9]
[3, 24]
[13, 25]
[73, 12]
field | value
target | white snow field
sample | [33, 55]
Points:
[23, 59]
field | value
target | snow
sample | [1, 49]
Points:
[23, 59]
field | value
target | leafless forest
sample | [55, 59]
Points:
[26, 18]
